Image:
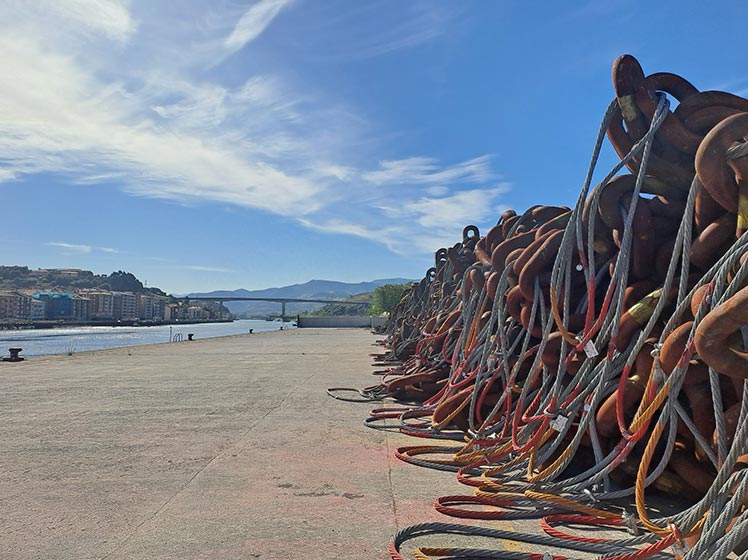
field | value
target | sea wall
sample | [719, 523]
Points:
[354, 321]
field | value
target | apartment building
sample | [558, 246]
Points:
[58, 305]
[197, 313]
[14, 305]
[101, 303]
[124, 306]
[81, 308]
[151, 308]
[38, 309]
[172, 312]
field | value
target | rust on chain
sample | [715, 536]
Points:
[627, 79]
[470, 232]
[676, 174]
[493, 238]
[481, 254]
[713, 241]
[703, 120]
[714, 332]
[726, 180]
[672, 129]
[674, 348]
[718, 100]
[528, 252]
[543, 214]
[558, 222]
[502, 250]
[541, 258]
[508, 224]
[636, 317]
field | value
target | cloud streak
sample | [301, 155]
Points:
[71, 247]
[425, 170]
[201, 268]
[180, 134]
[253, 23]
[413, 24]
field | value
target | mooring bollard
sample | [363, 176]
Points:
[14, 355]
[190, 335]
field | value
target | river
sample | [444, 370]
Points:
[45, 342]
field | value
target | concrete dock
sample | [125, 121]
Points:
[221, 448]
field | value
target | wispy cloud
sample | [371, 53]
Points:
[413, 24]
[179, 133]
[201, 268]
[254, 21]
[80, 248]
[424, 170]
[71, 247]
[57, 117]
[108, 18]
[455, 210]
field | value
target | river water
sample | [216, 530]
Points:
[45, 342]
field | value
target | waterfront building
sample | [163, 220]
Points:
[151, 308]
[124, 306]
[81, 308]
[58, 305]
[172, 312]
[102, 303]
[14, 305]
[38, 309]
[197, 313]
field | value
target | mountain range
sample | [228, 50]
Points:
[314, 289]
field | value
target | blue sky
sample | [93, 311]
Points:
[223, 145]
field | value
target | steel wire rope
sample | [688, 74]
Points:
[662, 399]
[427, 529]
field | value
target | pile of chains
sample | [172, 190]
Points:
[595, 353]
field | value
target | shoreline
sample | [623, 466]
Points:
[70, 340]
[128, 350]
[51, 324]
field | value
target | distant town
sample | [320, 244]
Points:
[60, 301]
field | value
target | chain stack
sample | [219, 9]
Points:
[599, 352]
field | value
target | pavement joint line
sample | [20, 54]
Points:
[206, 465]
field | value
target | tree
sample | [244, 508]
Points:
[386, 298]
[125, 282]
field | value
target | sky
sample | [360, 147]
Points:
[252, 144]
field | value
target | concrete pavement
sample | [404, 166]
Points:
[221, 448]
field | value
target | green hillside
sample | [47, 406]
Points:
[337, 310]
[23, 278]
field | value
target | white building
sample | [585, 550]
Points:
[38, 309]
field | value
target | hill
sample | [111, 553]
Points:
[70, 279]
[314, 289]
[338, 310]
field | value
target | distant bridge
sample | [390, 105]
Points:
[281, 300]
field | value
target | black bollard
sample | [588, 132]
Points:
[14, 355]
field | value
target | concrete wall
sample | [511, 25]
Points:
[341, 322]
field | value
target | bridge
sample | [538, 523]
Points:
[281, 300]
